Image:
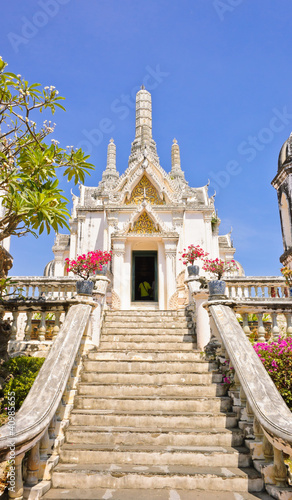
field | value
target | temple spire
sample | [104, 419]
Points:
[143, 115]
[176, 170]
[110, 173]
[143, 129]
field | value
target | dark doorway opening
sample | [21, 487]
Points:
[144, 269]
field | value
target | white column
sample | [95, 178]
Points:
[170, 247]
[201, 314]
[118, 268]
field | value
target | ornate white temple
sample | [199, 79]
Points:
[147, 217]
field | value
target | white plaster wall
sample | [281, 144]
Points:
[93, 232]
[193, 232]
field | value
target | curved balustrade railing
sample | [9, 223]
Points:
[265, 409]
[41, 287]
[256, 287]
[34, 422]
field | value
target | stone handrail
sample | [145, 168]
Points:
[265, 411]
[249, 287]
[36, 287]
[30, 429]
[44, 397]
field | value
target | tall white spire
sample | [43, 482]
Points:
[110, 173]
[143, 130]
[176, 170]
[143, 115]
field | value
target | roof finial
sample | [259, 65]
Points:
[142, 87]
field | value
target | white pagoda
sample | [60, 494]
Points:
[146, 216]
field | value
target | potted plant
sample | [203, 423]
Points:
[189, 256]
[287, 273]
[85, 266]
[218, 267]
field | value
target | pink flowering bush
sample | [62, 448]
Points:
[192, 253]
[86, 265]
[218, 267]
[277, 359]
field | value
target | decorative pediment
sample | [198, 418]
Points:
[144, 225]
[145, 190]
[161, 188]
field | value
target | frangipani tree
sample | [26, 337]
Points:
[29, 187]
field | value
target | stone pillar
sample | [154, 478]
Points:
[119, 285]
[143, 116]
[200, 296]
[170, 247]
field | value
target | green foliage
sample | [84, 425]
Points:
[23, 371]
[28, 165]
[277, 359]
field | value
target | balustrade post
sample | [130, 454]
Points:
[275, 328]
[280, 469]
[257, 430]
[268, 450]
[261, 328]
[289, 323]
[51, 428]
[17, 486]
[28, 326]
[57, 325]
[14, 325]
[245, 326]
[42, 329]
[33, 464]
[44, 446]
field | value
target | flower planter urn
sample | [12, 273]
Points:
[216, 288]
[193, 270]
[102, 271]
[84, 287]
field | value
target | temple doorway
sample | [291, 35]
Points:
[144, 269]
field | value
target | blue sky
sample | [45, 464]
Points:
[220, 78]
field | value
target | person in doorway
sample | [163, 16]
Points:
[144, 289]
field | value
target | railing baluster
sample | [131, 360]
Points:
[28, 326]
[275, 328]
[280, 469]
[289, 323]
[44, 446]
[57, 324]
[17, 494]
[14, 325]
[245, 326]
[42, 329]
[261, 328]
[33, 464]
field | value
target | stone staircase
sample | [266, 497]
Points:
[151, 421]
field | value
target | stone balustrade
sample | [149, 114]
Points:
[40, 287]
[38, 427]
[269, 318]
[263, 415]
[256, 287]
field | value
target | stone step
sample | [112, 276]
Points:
[156, 324]
[132, 390]
[145, 314]
[148, 346]
[154, 436]
[128, 337]
[157, 494]
[154, 334]
[156, 477]
[206, 456]
[117, 355]
[195, 405]
[153, 419]
[152, 379]
[148, 367]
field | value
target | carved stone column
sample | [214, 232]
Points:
[118, 267]
[199, 297]
[170, 247]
